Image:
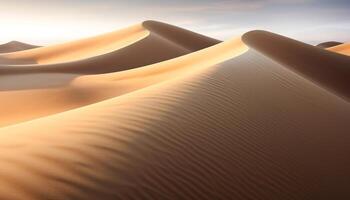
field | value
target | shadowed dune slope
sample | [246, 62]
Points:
[15, 46]
[342, 49]
[143, 44]
[330, 70]
[328, 44]
[189, 40]
[28, 96]
[247, 129]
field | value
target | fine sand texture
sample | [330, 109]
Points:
[230, 121]
[330, 70]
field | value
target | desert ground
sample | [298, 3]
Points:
[154, 111]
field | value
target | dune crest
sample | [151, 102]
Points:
[15, 46]
[81, 49]
[140, 45]
[330, 70]
[67, 91]
[328, 44]
[179, 116]
[190, 40]
[343, 49]
[203, 136]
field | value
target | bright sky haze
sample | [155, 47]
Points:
[52, 21]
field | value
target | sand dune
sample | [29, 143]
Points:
[143, 44]
[330, 70]
[15, 46]
[328, 44]
[28, 96]
[218, 123]
[342, 49]
[81, 49]
[214, 135]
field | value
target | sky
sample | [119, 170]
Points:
[44, 22]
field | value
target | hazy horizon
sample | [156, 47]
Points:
[44, 22]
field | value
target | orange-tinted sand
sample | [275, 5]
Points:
[178, 116]
[342, 49]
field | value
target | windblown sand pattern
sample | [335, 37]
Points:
[222, 122]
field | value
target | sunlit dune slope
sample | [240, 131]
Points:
[343, 49]
[15, 46]
[143, 44]
[180, 116]
[80, 49]
[330, 70]
[328, 44]
[246, 129]
[27, 96]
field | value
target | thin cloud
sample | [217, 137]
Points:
[220, 6]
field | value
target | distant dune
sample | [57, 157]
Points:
[30, 95]
[15, 46]
[342, 49]
[177, 116]
[328, 44]
[136, 46]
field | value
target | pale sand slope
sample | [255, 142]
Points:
[15, 46]
[80, 49]
[343, 49]
[249, 129]
[28, 96]
[143, 44]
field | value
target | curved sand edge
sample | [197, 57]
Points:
[35, 99]
[15, 46]
[330, 70]
[182, 40]
[202, 136]
[328, 44]
[81, 49]
[342, 49]
[247, 128]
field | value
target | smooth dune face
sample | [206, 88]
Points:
[342, 49]
[85, 48]
[329, 44]
[15, 46]
[140, 45]
[330, 70]
[210, 121]
[28, 96]
[216, 134]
